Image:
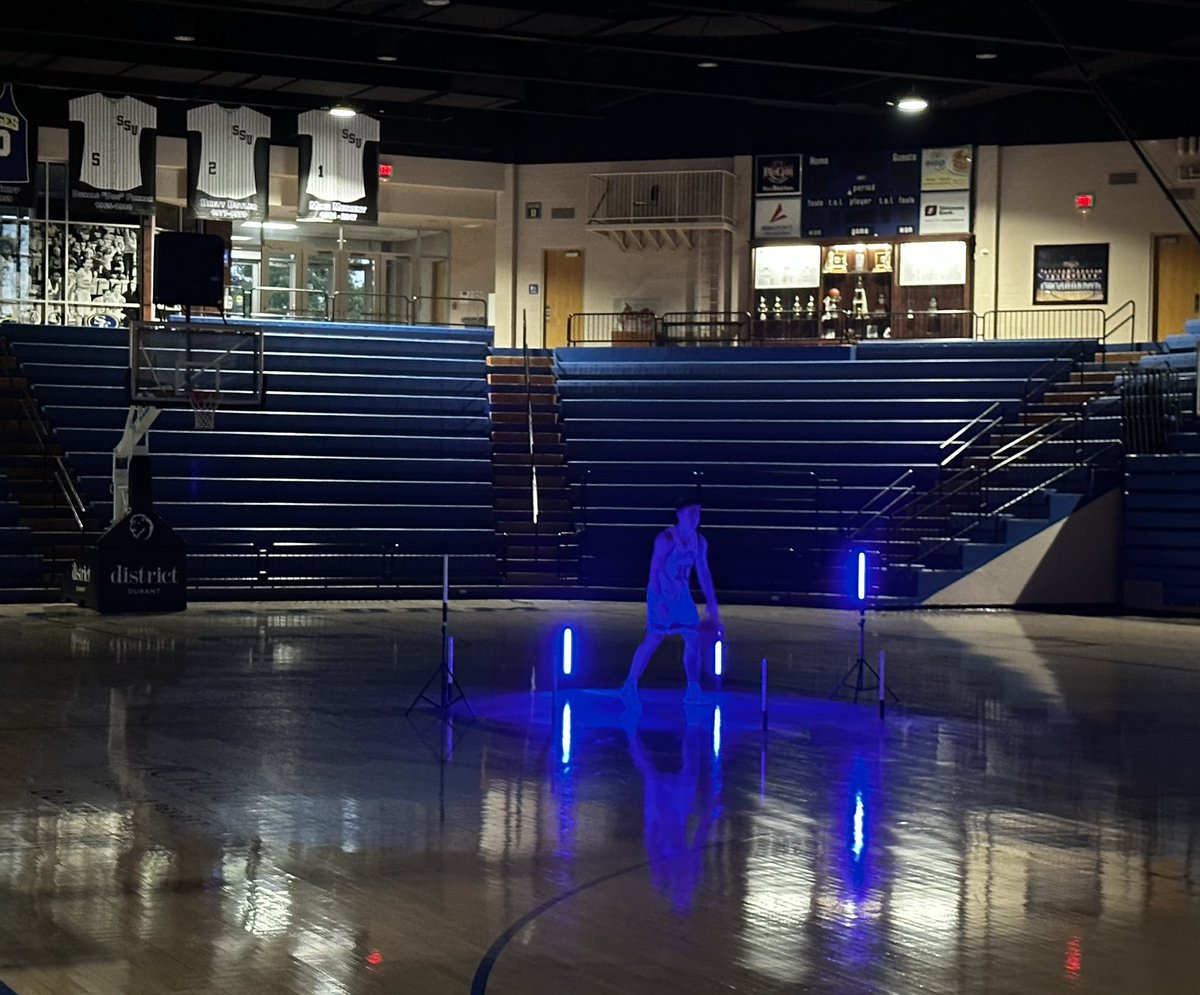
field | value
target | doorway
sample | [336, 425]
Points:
[563, 287]
[1176, 283]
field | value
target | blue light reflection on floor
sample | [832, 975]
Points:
[682, 812]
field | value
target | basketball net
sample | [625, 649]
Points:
[204, 407]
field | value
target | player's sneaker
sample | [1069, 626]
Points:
[694, 696]
[629, 695]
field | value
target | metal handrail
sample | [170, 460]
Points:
[969, 425]
[1130, 318]
[719, 321]
[1062, 355]
[249, 311]
[43, 436]
[387, 299]
[480, 320]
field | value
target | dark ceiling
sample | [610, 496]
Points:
[539, 81]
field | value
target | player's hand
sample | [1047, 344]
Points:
[714, 619]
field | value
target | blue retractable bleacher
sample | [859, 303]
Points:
[785, 443]
[369, 460]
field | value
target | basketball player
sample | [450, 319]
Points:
[670, 611]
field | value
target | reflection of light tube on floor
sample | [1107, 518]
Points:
[856, 846]
[717, 731]
[764, 694]
[882, 686]
[566, 733]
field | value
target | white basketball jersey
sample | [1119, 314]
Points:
[227, 137]
[336, 171]
[112, 135]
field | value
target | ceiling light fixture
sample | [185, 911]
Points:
[270, 225]
[185, 37]
[385, 58]
[436, 3]
[342, 110]
[707, 65]
[986, 55]
[911, 104]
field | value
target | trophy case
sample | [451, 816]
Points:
[857, 291]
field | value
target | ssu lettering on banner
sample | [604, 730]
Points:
[229, 158]
[17, 153]
[112, 151]
[339, 168]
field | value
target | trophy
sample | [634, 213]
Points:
[835, 260]
[858, 306]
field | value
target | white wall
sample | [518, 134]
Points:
[1036, 192]
[665, 276]
[1024, 196]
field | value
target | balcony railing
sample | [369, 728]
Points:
[702, 198]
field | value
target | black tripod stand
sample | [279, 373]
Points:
[450, 692]
[859, 668]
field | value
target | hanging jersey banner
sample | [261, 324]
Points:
[339, 168]
[18, 153]
[111, 156]
[228, 160]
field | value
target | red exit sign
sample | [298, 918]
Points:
[385, 170]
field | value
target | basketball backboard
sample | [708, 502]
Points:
[171, 363]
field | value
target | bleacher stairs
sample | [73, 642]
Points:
[536, 555]
[39, 534]
[1064, 475]
[786, 446]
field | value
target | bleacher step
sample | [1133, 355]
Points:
[520, 380]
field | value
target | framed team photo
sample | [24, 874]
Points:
[1070, 274]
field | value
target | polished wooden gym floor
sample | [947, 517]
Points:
[232, 799]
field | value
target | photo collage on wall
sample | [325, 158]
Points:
[59, 273]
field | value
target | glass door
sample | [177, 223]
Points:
[281, 273]
[359, 299]
[319, 283]
[243, 278]
[397, 288]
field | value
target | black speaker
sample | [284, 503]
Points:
[189, 268]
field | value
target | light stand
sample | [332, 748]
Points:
[860, 666]
[450, 692]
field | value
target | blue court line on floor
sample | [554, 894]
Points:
[483, 971]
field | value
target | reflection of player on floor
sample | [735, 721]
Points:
[677, 816]
[670, 610]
